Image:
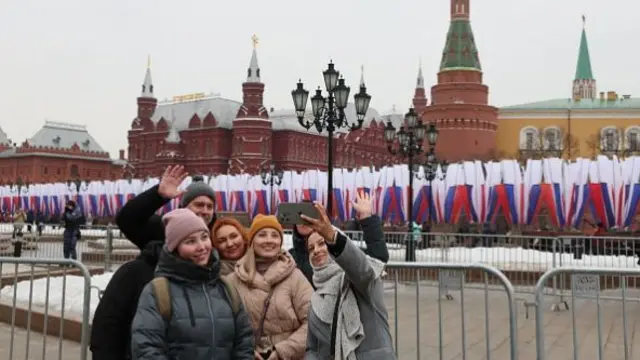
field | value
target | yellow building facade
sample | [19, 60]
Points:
[584, 125]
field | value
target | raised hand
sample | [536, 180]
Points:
[322, 225]
[171, 179]
[363, 205]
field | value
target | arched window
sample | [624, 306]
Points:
[529, 138]
[632, 138]
[609, 139]
[552, 139]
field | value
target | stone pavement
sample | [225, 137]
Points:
[558, 329]
[70, 350]
[558, 326]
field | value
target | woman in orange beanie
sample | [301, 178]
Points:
[230, 239]
[275, 293]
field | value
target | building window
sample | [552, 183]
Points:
[529, 138]
[552, 138]
[45, 170]
[609, 139]
[633, 141]
[208, 148]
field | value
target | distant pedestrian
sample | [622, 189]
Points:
[71, 218]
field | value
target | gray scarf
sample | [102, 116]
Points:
[329, 280]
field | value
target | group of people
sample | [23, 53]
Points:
[207, 288]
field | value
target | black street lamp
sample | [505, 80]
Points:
[328, 113]
[431, 167]
[271, 177]
[409, 146]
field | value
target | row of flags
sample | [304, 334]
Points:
[609, 188]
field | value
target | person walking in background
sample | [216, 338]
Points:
[138, 220]
[348, 318]
[71, 218]
[19, 217]
[230, 239]
[189, 314]
[371, 226]
[275, 293]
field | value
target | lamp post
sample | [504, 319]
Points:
[271, 177]
[430, 172]
[328, 113]
[409, 145]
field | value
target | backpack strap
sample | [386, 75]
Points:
[163, 296]
[232, 294]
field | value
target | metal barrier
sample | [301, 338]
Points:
[36, 315]
[452, 277]
[586, 286]
[95, 247]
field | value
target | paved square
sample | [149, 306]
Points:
[558, 326]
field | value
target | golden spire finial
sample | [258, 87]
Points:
[255, 40]
[148, 61]
[584, 21]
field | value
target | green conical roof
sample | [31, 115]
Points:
[583, 70]
[460, 52]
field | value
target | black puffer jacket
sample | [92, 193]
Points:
[111, 328]
[138, 221]
[373, 236]
[202, 326]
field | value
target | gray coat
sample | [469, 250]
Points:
[369, 292]
[202, 326]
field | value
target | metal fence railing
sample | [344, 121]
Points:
[596, 327]
[36, 307]
[446, 310]
[458, 325]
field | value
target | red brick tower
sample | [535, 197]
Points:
[252, 129]
[459, 102]
[420, 97]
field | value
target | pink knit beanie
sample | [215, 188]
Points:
[180, 223]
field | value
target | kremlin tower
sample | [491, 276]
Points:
[252, 128]
[459, 101]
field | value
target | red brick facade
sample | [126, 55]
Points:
[226, 136]
[57, 153]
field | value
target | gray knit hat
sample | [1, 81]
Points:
[197, 188]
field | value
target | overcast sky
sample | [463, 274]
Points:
[83, 61]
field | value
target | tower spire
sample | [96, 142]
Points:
[147, 85]
[362, 75]
[253, 73]
[584, 84]
[419, 96]
[460, 51]
[420, 79]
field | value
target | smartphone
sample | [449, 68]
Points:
[289, 213]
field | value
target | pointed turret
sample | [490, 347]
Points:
[253, 73]
[419, 96]
[147, 85]
[459, 104]
[253, 90]
[460, 52]
[147, 101]
[252, 130]
[584, 85]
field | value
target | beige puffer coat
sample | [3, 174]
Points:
[285, 322]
